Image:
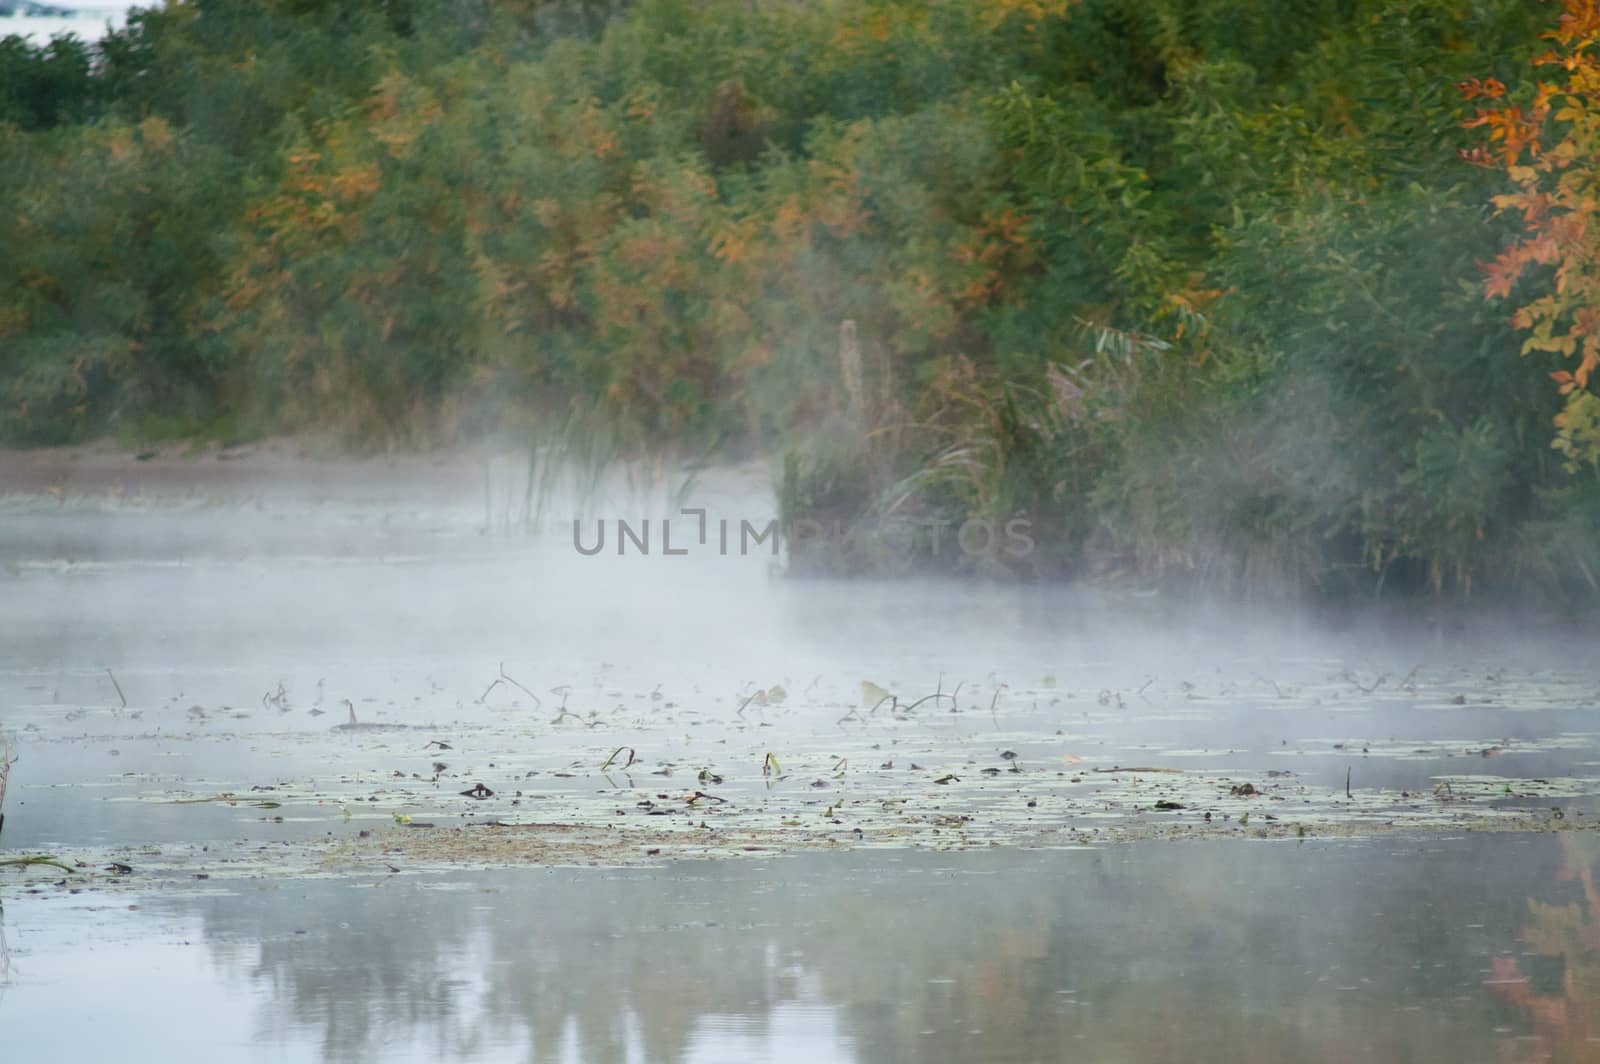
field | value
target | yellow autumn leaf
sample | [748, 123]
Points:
[872, 694]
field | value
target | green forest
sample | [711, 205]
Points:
[1247, 294]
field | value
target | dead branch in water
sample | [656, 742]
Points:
[617, 753]
[996, 701]
[504, 679]
[118, 686]
[46, 859]
[938, 693]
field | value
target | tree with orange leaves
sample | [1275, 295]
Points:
[1550, 148]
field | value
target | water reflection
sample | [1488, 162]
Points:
[5, 957]
[1374, 950]
[1554, 981]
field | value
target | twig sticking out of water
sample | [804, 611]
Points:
[562, 713]
[1355, 681]
[504, 679]
[118, 686]
[938, 693]
[615, 753]
[1347, 781]
[897, 707]
[993, 701]
[6, 760]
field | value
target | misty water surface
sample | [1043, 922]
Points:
[239, 631]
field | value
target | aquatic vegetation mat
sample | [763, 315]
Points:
[616, 775]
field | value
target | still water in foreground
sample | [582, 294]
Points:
[1475, 947]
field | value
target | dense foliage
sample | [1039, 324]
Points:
[1193, 285]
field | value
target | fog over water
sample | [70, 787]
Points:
[728, 531]
[240, 612]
